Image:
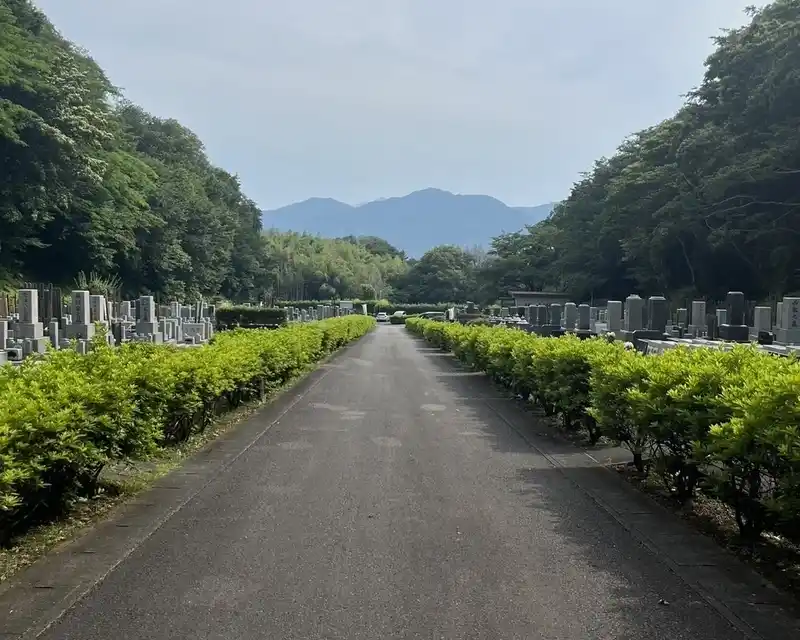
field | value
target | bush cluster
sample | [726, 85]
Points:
[722, 422]
[373, 306]
[65, 416]
[249, 317]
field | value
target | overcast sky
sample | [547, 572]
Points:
[361, 99]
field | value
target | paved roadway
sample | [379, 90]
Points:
[392, 502]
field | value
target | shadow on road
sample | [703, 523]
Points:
[649, 600]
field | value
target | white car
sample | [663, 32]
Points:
[381, 316]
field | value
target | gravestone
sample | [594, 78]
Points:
[570, 316]
[634, 308]
[789, 331]
[97, 309]
[657, 313]
[682, 317]
[584, 317]
[712, 325]
[3, 334]
[762, 320]
[634, 317]
[553, 326]
[148, 322]
[734, 329]
[80, 307]
[52, 333]
[614, 317]
[28, 326]
[697, 326]
[542, 316]
[195, 330]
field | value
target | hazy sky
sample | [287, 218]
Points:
[360, 99]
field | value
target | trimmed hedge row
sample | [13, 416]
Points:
[249, 317]
[724, 422]
[65, 416]
[373, 306]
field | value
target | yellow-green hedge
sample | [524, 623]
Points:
[726, 422]
[65, 416]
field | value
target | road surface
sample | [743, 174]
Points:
[392, 501]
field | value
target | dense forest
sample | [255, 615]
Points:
[706, 201]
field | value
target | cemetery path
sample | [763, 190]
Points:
[397, 498]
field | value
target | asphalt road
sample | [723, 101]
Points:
[392, 502]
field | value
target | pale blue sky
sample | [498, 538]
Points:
[360, 99]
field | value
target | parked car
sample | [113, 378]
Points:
[382, 316]
[433, 315]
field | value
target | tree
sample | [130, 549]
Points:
[443, 274]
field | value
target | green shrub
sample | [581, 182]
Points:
[65, 416]
[724, 421]
[250, 317]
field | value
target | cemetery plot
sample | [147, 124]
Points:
[27, 327]
[649, 326]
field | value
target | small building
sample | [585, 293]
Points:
[529, 298]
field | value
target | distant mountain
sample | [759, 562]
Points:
[413, 223]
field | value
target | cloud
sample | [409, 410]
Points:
[364, 98]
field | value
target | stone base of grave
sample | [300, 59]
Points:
[80, 331]
[146, 328]
[3, 357]
[641, 334]
[696, 330]
[553, 331]
[583, 334]
[789, 336]
[32, 330]
[734, 332]
[38, 345]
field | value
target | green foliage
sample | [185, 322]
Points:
[373, 306]
[300, 266]
[443, 273]
[727, 422]
[249, 317]
[65, 416]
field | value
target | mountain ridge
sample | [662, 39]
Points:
[414, 222]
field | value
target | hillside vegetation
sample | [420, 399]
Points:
[92, 183]
[704, 202]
